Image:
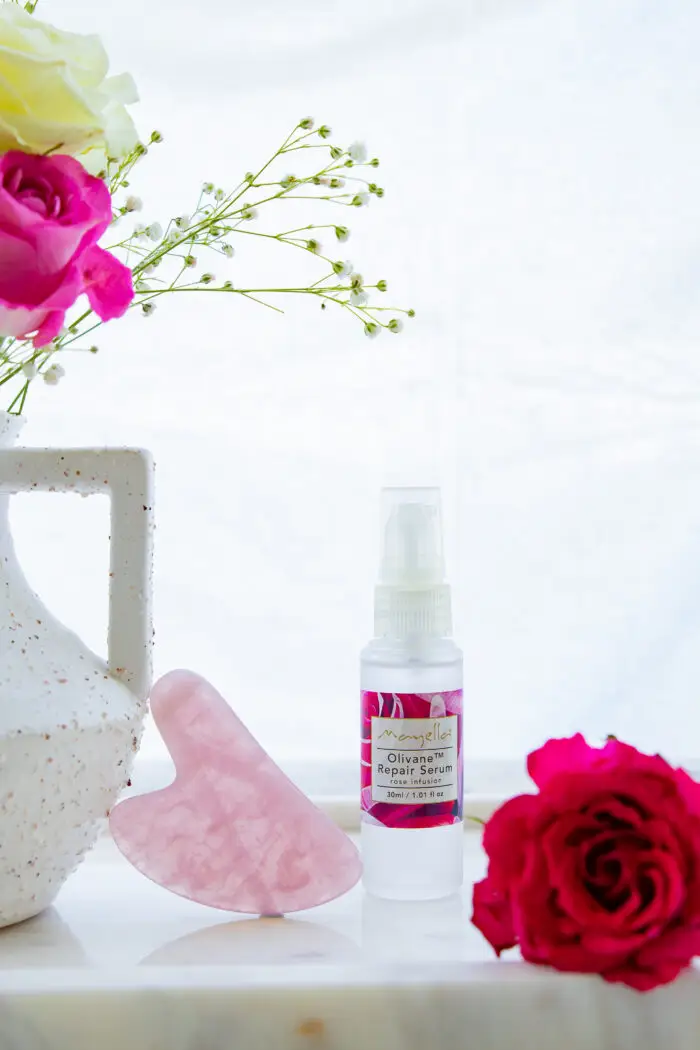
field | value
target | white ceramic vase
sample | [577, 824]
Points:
[70, 724]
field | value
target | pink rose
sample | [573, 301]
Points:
[52, 214]
[600, 871]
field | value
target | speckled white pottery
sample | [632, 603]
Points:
[69, 723]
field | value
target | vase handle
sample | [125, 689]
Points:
[127, 476]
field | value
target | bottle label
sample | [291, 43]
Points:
[412, 763]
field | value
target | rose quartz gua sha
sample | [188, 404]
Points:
[231, 831]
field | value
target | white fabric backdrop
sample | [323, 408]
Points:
[542, 215]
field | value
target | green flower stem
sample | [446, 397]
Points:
[81, 335]
[262, 302]
[239, 291]
[336, 198]
[10, 375]
[210, 228]
[18, 403]
[390, 309]
[303, 229]
[299, 243]
[316, 145]
[327, 277]
[271, 161]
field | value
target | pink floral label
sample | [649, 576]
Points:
[412, 763]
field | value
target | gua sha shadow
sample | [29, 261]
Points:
[231, 831]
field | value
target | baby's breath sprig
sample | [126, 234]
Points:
[178, 257]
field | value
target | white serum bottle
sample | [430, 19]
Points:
[411, 715]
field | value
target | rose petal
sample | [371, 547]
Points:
[23, 321]
[689, 791]
[492, 916]
[57, 90]
[570, 957]
[505, 836]
[634, 790]
[87, 213]
[644, 980]
[574, 755]
[537, 919]
[108, 284]
[615, 810]
[678, 945]
[570, 754]
[49, 327]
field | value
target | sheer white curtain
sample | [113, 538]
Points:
[541, 165]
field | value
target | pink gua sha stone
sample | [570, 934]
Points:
[231, 831]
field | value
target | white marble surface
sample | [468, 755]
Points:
[120, 963]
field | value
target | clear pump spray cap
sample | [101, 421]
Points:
[412, 554]
[412, 597]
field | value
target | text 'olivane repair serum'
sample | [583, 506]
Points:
[412, 762]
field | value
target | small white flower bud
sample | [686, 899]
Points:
[372, 330]
[183, 222]
[133, 204]
[228, 250]
[342, 269]
[395, 325]
[208, 187]
[206, 278]
[147, 309]
[54, 374]
[155, 231]
[29, 370]
[358, 152]
[359, 298]
[342, 233]
[360, 200]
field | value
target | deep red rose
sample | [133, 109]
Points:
[600, 871]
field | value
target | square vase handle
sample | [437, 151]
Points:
[127, 476]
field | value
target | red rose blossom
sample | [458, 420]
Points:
[600, 871]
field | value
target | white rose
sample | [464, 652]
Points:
[55, 94]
